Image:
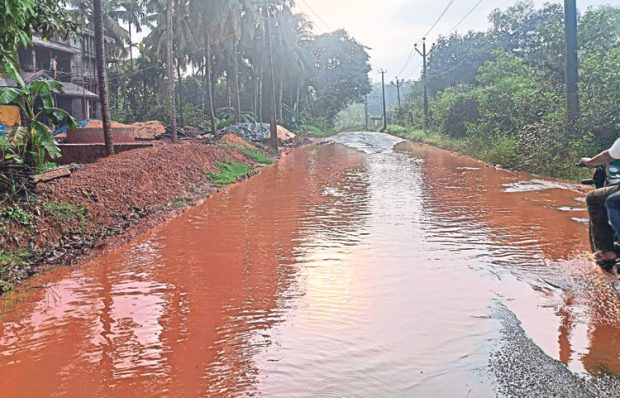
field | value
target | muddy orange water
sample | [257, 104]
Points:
[353, 269]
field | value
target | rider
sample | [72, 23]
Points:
[604, 207]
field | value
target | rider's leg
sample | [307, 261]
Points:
[602, 232]
[613, 211]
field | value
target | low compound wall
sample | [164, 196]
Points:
[89, 153]
[90, 135]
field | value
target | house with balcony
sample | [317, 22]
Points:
[75, 70]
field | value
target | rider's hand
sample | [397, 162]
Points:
[587, 162]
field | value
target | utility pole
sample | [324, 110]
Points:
[272, 101]
[366, 112]
[424, 54]
[397, 85]
[383, 72]
[572, 62]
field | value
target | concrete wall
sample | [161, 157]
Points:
[95, 135]
[90, 153]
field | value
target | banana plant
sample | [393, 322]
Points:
[33, 142]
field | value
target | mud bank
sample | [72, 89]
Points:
[103, 205]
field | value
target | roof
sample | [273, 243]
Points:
[67, 90]
[74, 90]
[54, 45]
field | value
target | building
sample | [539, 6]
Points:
[76, 71]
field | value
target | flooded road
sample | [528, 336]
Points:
[363, 268]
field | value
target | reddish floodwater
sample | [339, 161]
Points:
[341, 272]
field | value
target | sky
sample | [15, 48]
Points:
[390, 27]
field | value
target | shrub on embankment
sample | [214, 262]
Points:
[65, 218]
[505, 152]
[500, 95]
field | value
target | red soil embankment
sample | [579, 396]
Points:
[139, 180]
[105, 204]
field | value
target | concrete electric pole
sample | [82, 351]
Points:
[366, 112]
[572, 62]
[383, 72]
[397, 84]
[424, 54]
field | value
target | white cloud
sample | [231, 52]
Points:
[390, 27]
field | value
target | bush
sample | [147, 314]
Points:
[454, 109]
[600, 96]
[397, 130]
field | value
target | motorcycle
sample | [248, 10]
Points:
[601, 178]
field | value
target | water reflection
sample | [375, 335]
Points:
[508, 222]
[183, 311]
[337, 272]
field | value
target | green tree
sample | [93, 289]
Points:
[20, 19]
[341, 74]
[600, 95]
[534, 35]
[457, 58]
[133, 13]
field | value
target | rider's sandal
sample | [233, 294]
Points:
[607, 265]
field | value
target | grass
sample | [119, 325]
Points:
[255, 155]
[65, 211]
[13, 266]
[229, 173]
[313, 131]
[431, 138]
[21, 219]
[494, 150]
[179, 203]
[252, 153]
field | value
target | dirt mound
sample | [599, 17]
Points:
[284, 134]
[149, 129]
[233, 139]
[114, 187]
[98, 124]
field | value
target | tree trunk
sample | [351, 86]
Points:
[203, 96]
[181, 111]
[130, 48]
[297, 102]
[210, 84]
[170, 71]
[228, 87]
[145, 94]
[102, 78]
[237, 85]
[281, 96]
[260, 98]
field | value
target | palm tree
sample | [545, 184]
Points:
[211, 18]
[172, 114]
[102, 76]
[133, 13]
[111, 25]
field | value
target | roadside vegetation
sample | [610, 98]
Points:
[21, 224]
[252, 153]
[229, 173]
[500, 96]
[198, 64]
[221, 63]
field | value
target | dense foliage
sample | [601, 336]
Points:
[221, 63]
[502, 92]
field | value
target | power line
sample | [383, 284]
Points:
[465, 59]
[317, 15]
[465, 16]
[443, 13]
[440, 17]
